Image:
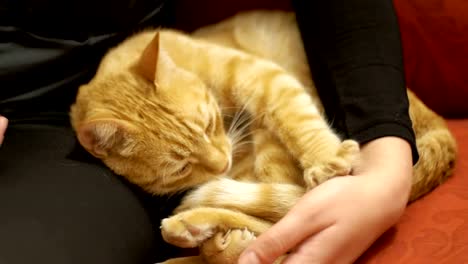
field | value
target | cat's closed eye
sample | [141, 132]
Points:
[185, 170]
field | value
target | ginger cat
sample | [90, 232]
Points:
[238, 119]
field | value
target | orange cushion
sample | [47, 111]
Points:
[435, 48]
[434, 229]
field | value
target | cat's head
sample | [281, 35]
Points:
[157, 125]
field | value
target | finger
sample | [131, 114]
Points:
[3, 126]
[320, 248]
[336, 244]
[297, 225]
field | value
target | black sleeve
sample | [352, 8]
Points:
[354, 52]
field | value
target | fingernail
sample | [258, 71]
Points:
[249, 258]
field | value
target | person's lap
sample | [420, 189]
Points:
[56, 209]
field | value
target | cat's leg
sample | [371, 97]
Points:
[221, 234]
[225, 248]
[191, 228]
[288, 111]
[270, 201]
[273, 162]
[282, 105]
[222, 248]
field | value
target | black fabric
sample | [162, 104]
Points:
[60, 206]
[49, 47]
[354, 52]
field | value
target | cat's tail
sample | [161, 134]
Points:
[437, 150]
[436, 146]
[269, 201]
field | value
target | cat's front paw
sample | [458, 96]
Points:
[186, 230]
[191, 228]
[338, 165]
[226, 247]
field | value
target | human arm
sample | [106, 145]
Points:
[354, 53]
[355, 57]
[340, 219]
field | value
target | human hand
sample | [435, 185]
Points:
[338, 220]
[3, 127]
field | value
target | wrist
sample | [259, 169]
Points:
[389, 161]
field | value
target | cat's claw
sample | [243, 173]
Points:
[226, 247]
[338, 165]
[240, 238]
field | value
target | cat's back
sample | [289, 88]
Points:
[268, 34]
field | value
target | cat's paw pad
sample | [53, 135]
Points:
[337, 165]
[226, 247]
[185, 232]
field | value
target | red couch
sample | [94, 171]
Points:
[434, 229]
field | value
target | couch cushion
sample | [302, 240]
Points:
[434, 229]
[435, 48]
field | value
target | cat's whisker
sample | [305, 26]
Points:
[239, 124]
[245, 142]
[228, 107]
[242, 143]
[239, 133]
[241, 146]
[241, 113]
[234, 121]
[240, 137]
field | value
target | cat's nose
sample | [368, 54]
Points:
[215, 160]
[221, 169]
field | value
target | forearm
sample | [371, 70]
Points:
[354, 52]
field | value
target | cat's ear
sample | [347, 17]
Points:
[148, 63]
[101, 137]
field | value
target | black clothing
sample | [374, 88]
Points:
[355, 56]
[49, 47]
[58, 207]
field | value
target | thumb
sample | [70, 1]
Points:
[275, 242]
[295, 227]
